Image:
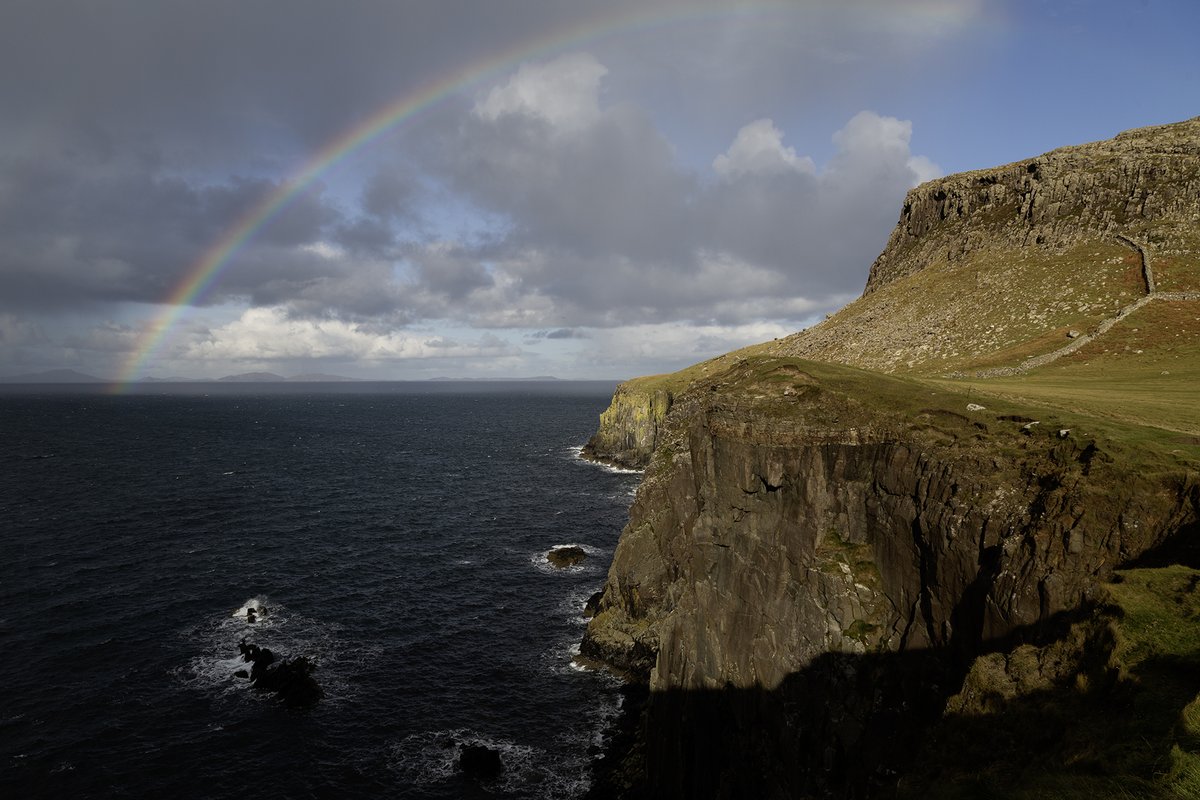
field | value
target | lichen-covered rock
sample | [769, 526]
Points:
[566, 556]
[629, 427]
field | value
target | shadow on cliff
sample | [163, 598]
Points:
[847, 726]
[1181, 548]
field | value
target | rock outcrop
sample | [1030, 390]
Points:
[566, 556]
[1052, 201]
[629, 428]
[289, 679]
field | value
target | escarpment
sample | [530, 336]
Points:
[796, 508]
[1135, 181]
[834, 527]
[985, 269]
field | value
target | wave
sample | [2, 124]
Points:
[576, 452]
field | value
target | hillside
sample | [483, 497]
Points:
[837, 530]
[1095, 247]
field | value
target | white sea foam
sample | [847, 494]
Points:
[262, 610]
[431, 757]
[285, 632]
[591, 564]
[571, 606]
[577, 454]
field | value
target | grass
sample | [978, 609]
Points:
[1145, 371]
[1126, 725]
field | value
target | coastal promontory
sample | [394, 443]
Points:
[969, 502]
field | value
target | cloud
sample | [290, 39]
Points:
[557, 334]
[654, 179]
[604, 226]
[86, 230]
[657, 347]
[271, 334]
[563, 92]
[758, 150]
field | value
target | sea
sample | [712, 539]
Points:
[395, 534]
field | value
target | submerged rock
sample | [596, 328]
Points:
[569, 556]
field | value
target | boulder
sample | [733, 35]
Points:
[290, 679]
[568, 556]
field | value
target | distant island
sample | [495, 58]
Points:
[497, 380]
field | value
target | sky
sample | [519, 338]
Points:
[406, 189]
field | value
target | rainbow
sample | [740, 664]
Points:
[204, 272]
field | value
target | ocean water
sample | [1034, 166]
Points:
[396, 535]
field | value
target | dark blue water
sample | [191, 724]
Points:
[397, 537]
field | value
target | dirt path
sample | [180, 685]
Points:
[1151, 295]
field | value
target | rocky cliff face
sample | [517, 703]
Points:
[797, 512]
[629, 427]
[1140, 178]
[819, 552]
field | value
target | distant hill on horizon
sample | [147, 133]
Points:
[497, 380]
[53, 376]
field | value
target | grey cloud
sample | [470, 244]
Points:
[613, 185]
[566, 333]
[558, 333]
[135, 136]
[606, 225]
[83, 231]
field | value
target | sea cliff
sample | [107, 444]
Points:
[819, 554]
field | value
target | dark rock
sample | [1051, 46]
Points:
[241, 673]
[290, 679]
[592, 607]
[563, 557]
[480, 762]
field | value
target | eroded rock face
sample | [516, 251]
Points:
[793, 545]
[1060, 197]
[814, 559]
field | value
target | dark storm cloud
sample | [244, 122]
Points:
[78, 230]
